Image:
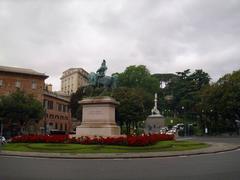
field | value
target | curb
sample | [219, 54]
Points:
[214, 148]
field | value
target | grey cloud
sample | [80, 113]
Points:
[167, 36]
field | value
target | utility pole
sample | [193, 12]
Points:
[1, 133]
[184, 120]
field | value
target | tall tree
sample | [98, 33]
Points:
[21, 108]
[221, 103]
[132, 108]
[138, 77]
[185, 91]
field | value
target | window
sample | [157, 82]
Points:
[45, 103]
[65, 127]
[34, 84]
[61, 127]
[64, 108]
[56, 126]
[50, 104]
[17, 84]
[1, 83]
[59, 107]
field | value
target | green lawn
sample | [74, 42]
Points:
[78, 148]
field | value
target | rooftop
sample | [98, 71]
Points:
[55, 95]
[21, 71]
[71, 71]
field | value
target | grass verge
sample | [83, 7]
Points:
[79, 148]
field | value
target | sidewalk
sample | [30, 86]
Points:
[213, 148]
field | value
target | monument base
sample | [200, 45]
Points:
[98, 131]
[154, 123]
[98, 117]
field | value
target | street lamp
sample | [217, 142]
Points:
[185, 132]
[1, 134]
[169, 114]
[45, 121]
[238, 125]
[205, 123]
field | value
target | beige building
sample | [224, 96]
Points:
[72, 79]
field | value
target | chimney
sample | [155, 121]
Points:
[48, 87]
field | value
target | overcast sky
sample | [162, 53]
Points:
[51, 36]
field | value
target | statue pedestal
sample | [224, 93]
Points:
[154, 123]
[98, 117]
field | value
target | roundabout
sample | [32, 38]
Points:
[166, 149]
[219, 161]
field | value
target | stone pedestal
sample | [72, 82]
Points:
[154, 123]
[98, 117]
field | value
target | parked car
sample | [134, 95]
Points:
[179, 126]
[163, 129]
[3, 140]
[173, 130]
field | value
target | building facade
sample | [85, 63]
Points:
[72, 79]
[57, 116]
[26, 80]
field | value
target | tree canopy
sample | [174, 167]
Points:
[138, 77]
[220, 103]
[187, 95]
[20, 108]
[184, 89]
[132, 106]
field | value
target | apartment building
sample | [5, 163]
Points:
[58, 116]
[72, 79]
[28, 80]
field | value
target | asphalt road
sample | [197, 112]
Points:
[232, 140]
[222, 166]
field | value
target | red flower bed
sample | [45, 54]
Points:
[142, 140]
[100, 140]
[148, 139]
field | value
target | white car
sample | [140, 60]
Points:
[3, 140]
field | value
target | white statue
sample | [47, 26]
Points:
[155, 111]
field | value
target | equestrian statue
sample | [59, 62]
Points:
[99, 79]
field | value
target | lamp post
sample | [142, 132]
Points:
[204, 123]
[185, 132]
[238, 125]
[1, 134]
[45, 121]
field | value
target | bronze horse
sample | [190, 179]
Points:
[105, 81]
